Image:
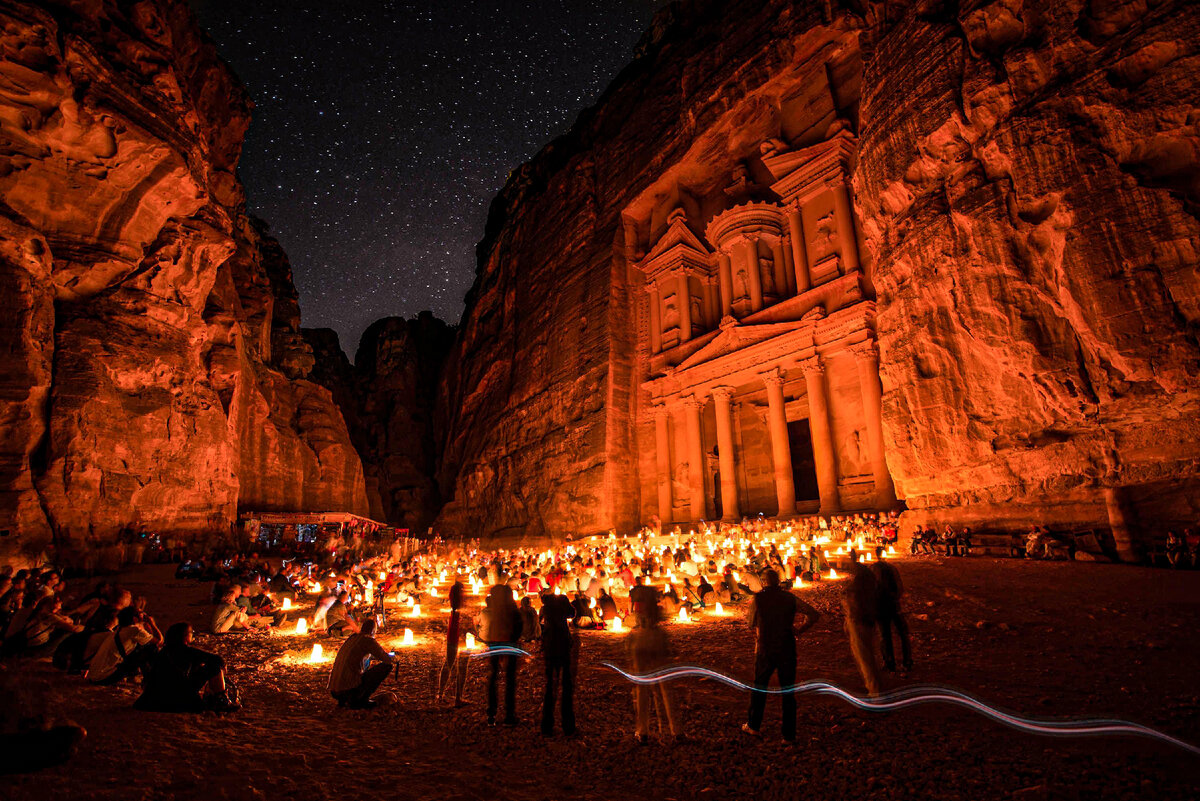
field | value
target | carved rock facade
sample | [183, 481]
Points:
[990, 206]
[154, 372]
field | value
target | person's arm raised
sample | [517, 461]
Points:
[811, 616]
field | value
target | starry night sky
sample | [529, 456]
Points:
[383, 129]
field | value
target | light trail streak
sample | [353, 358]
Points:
[919, 694]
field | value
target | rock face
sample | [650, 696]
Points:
[1025, 189]
[1028, 182]
[389, 399]
[153, 369]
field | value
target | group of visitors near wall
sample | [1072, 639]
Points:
[535, 602]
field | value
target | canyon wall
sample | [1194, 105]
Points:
[154, 372]
[389, 399]
[1025, 189]
[1028, 182]
[542, 388]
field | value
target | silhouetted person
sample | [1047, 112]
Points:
[859, 601]
[181, 678]
[889, 589]
[649, 649]
[501, 626]
[772, 616]
[453, 633]
[558, 652]
[351, 682]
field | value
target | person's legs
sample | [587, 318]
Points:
[758, 696]
[664, 699]
[371, 679]
[787, 678]
[548, 696]
[493, 677]
[510, 689]
[864, 653]
[641, 695]
[905, 642]
[889, 651]
[567, 678]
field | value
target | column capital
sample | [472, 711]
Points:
[660, 411]
[772, 377]
[812, 365]
[722, 394]
[865, 351]
[751, 238]
[651, 287]
[692, 402]
[793, 206]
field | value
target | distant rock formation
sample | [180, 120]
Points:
[154, 372]
[389, 398]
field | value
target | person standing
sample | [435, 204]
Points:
[888, 615]
[559, 652]
[772, 616]
[501, 626]
[352, 679]
[860, 601]
[453, 633]
[649, 649]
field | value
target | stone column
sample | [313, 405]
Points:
[696, 465]
[782, 284]
[781, 450]
[729, 502]
[725, 279]
[750, 264]
[710, 303]
[684, 297]
[1121, 525]
[655, 318]
[662, 446]
[866, 354]
[822, 436]
[844, 216]
[799, 248]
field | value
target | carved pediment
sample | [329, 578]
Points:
[798, 173]
[735, 337]
[678, 246]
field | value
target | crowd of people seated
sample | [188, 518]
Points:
[108, 637]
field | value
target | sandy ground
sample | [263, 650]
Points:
[1049, 640]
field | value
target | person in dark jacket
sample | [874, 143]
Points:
[772, 616]
[501, 625]
[888, 615]
[559, 649]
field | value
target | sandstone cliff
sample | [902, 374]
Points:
[1026, 189]
[1028, 182]
[389, 399]
[153, 365]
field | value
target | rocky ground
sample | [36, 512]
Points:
[1043, 639]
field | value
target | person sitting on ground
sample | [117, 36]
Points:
[1177, 552]
[228, 616]
[964, 541]
[78, 650]
[531, 627]
[44, 629]
[127, 650]
[181, 678]
[585, 614]
[338, 621]
[264, 606]
[353, 680]
[119, 600]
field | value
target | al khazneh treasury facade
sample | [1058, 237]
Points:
[761, 389]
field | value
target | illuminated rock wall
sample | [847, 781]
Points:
[1025, 195]
[153, 370]
[1028, 181]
